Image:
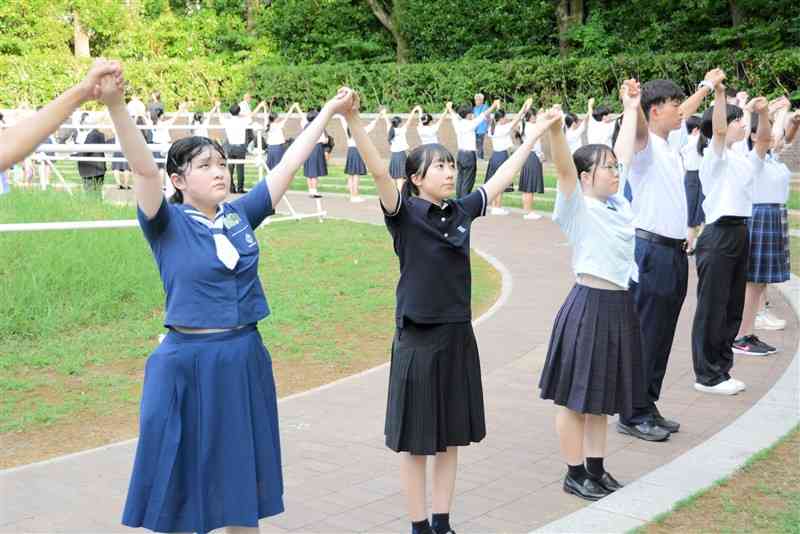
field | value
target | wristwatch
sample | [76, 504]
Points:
[707, 84]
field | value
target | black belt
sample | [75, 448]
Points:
[680, 244]
[731, 221]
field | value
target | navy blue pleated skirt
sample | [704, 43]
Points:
[209, 450]
[397, 165]
[531, 179]
[769, 244]
[316, 165]
[119, 165]
[497, 159]
[435, 391]
[594, 361]
[275, 155]
[354, 165]
[694, 198]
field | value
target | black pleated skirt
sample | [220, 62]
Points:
[354, 165]
[119, 165]
[435, 392]
[275, 155]
[594, 362]
[694, 198]
[316, 165]
[397, 165]
[531, 179]
[497, 159]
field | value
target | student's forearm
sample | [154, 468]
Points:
[627, 136]
[719, 121]
[692, 104]
[133, 144]
[387, 191]
[562, 159]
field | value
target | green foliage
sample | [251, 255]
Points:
[27, 26]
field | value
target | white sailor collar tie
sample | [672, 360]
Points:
[226, 252]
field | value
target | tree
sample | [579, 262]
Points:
[569, 13]
[385, 11]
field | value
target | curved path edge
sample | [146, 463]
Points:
[639, 502]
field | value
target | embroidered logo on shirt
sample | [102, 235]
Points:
[250, 240]
[461, 229]
[230, 220]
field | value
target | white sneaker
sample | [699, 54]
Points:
[729, 387]
[741, 385]
[767, 321]
[357, 200]
[532, 216]
[498, 211]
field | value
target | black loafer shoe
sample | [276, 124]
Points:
[667, 424]
[608, 482]
[589, 489]
[647, 431]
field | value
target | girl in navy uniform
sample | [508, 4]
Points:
[398, 144]
[435, 399]
[276, 140]
[531, 179]
[317, 163]
[208, 454]
[500, 133]
[354, 166]
[593, 367]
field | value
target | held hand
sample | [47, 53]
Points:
[759, 104]
[715, 77]
[355, 108]
[89, 87]
[591, 102]
[795, 119]
[342, 102]
[630, 94]
[742, 96]
[110, 91]
[555, 115]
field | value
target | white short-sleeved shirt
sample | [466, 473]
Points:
[465, 132]
[599, 132]
[200, 130]
[161, 135]
[136, 108]
[659, 194]
[236, 129]
[691, 157]
[501, 137]
[244, 108]
[771, 184]
[602, 234]
[727, 182]
[574, 138]
[399, 143]
[428, 135]
[528, 134]
[275, 134]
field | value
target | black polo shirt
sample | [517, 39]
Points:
[432, 243]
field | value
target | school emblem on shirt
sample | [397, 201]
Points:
[249, 239]
[462, 229]
[230, 220]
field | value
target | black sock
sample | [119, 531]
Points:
[594, 466]
[441, 523]
[577, 472]
[420, 527]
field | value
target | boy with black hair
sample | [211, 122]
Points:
[659, 202]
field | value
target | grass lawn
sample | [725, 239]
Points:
[81, 310]
[762, 496]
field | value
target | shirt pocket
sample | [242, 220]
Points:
[245, 241]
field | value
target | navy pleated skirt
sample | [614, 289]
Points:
[531, 179]
[119, 165]
[435, 392]
[316, 165]
[354, 165]
[397, 165]
[694, 198]
[594, 362]
[275, 155]
[497, 159]
[209, 451]
[769, 244]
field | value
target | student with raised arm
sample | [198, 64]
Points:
[22, 138]
[276, 140]
[575, 127]
[593, 365]
[428, 129]
[768, 261]
[500, 132]
[659, 202]
[465, 125]
[722, 248]
[398, 144]
[209, 423]
[435, 402]
[531, 179]
[354, 166]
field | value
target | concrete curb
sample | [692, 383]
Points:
[775, 414]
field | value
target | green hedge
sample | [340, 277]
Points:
[548, 80]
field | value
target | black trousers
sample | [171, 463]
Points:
[237, 152]
[467, 163]
[659, 296]
[479, 144]
[722, 252]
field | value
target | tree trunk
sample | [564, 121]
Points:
[736, 15]
[252, 11]
[80, 37]
[387, 19]
[569, 13]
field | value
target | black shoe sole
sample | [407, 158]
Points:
[645, 437]
[571, 491]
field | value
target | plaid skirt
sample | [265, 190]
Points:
[594, 362]
[769, 244]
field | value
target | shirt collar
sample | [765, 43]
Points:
[425, 207]
[191, 210]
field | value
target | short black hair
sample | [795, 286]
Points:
[181, 154]
[426, 119]
[570, 118]
[235, 109]
[692, 122]
[591, 155]
[420, 160]
[600, 112]
[656, 92]
[464, 110]
[707, 128]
